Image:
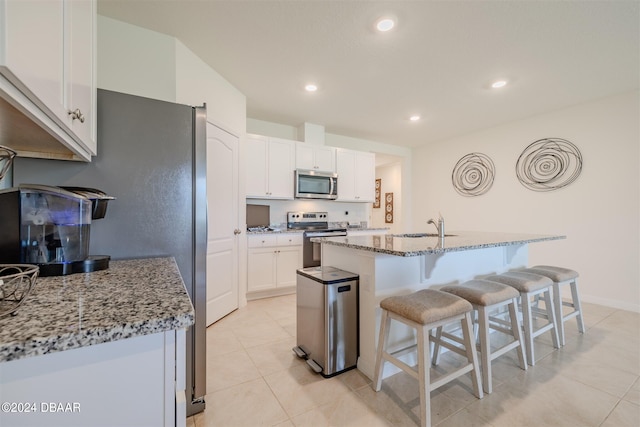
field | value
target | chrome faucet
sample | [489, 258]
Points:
[439, 225]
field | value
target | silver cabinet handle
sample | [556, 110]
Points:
[76, 114]
[237, 231]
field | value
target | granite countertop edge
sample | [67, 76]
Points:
[436, 248]
[41, 332]
[282, 231]
[56, 343]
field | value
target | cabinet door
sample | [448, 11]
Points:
[80, 85]
[346, 166]
[365, 180]
[256, 149]
[304, 156]
[325, 158]
[261, 273]
[315, 157]
[280, 169]
[33, 50]
[289, 260]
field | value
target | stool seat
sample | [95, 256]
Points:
[482, 292]
[528, 285]
[557, 274]
[521, 281]
[423, 311]
[426, 306]
[486, 296]
[562, 276]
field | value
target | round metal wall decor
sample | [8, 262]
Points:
[473, 174]
[549, 164]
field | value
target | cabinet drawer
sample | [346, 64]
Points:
[290, 239]
[262, 241]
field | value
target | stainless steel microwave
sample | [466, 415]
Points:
[312, 184]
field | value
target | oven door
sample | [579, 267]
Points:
[312, 251]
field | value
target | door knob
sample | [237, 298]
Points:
[236, 231]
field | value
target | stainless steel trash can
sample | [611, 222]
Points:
[327, 319]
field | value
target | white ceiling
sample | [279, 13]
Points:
[437, 62]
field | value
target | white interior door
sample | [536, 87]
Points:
[222, 222]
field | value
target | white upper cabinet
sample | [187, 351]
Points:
[270, 165]
[47, 60]
[80, 87]
[315, 157]
[356, 175]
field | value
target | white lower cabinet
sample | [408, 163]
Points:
[136, 381]
[272, 263]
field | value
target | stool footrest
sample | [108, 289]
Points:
[450, 376]
[449, 345]
[400, 364]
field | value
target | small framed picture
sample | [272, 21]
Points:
[388, 208]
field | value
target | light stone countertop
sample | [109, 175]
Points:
[405, 246]
[275, 231]
[131, 298]
[286, 230]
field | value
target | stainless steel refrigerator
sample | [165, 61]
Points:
[152, 158]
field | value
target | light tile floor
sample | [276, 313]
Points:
[254, 379]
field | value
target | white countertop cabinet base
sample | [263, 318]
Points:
[137, 381]
[272, 262]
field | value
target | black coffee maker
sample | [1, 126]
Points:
[50, 227]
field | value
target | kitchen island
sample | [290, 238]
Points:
[102, 348]
[396, 264]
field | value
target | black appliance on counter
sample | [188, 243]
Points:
[314, 224]
[50, 227]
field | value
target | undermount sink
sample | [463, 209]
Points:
[416, 235]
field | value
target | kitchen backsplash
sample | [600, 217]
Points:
[337, 211]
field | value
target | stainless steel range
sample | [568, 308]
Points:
[314, 224]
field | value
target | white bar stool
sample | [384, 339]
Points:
[562, 276]
[485, 297]
[424, 310]
[530, 286]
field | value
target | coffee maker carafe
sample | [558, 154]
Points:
[47, 226]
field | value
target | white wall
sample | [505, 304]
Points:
[135, 60]
[146, 63]
[599, 213]
[391, 182]
[275, 130]
[197, 83]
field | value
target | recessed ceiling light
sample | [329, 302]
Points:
[498, 84]
[414, 118]
[311, 87]
[385, 24]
